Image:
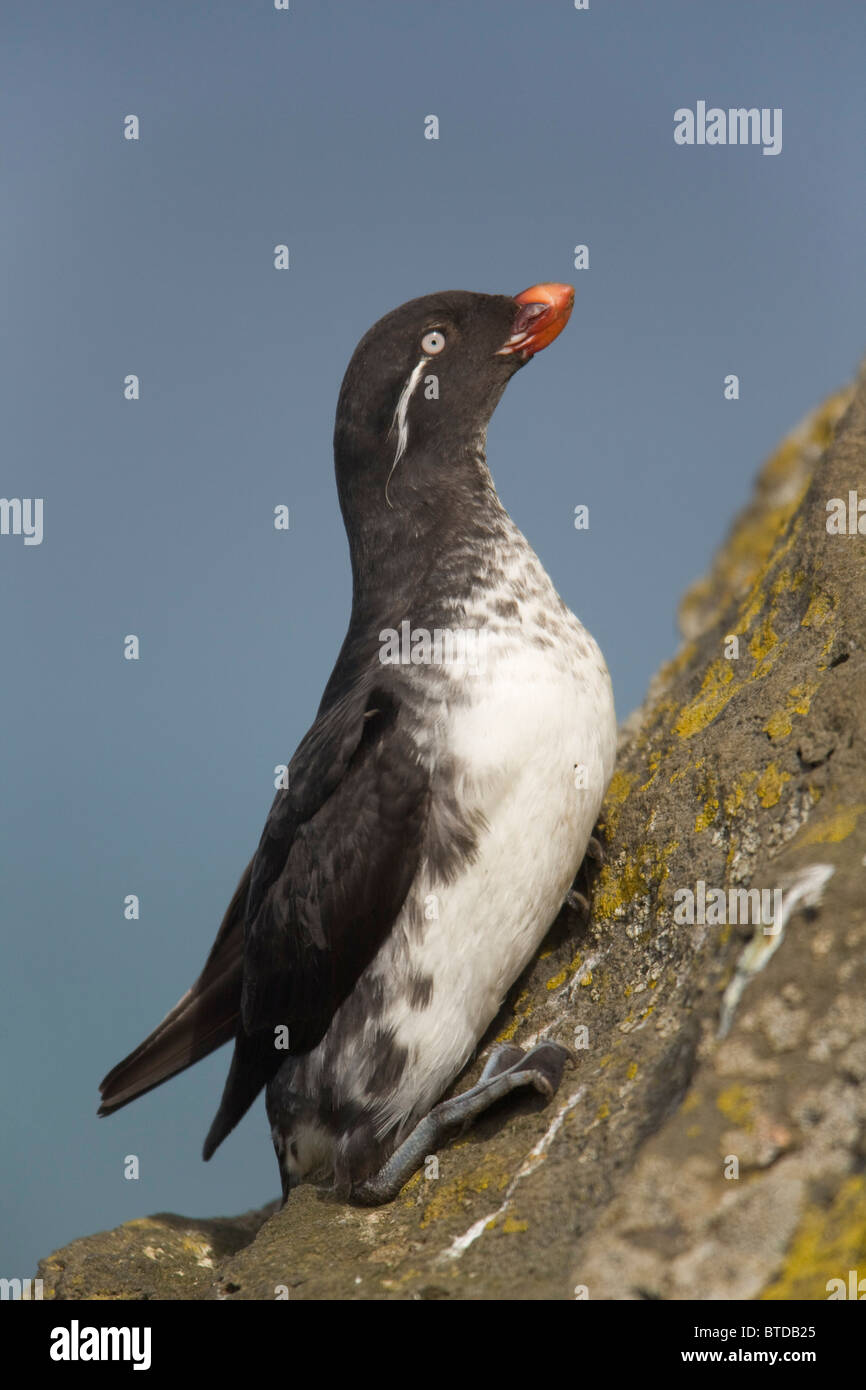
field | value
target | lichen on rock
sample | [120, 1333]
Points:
[709, 1140]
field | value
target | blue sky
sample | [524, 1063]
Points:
[156, 257]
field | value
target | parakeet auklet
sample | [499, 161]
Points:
[440, 806]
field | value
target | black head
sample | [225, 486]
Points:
[418, 395]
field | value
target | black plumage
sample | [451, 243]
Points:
[375, 810]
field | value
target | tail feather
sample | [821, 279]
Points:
[205, 1018]
[254, 1062]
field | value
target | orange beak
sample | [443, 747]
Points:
[543, 313]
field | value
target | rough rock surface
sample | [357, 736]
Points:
[710, 1140]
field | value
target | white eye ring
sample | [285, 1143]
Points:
[433, 342]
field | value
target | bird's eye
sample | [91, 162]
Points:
[433, 342]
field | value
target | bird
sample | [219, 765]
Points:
[437, 811]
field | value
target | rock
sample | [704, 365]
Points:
[154, 1257]
[709, 1141]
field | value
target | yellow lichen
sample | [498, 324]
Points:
[522, 1010]
[820, 614]
[653, 763]
[720, 684]
[828, 1244]
[778, 725]
[511, 1224]
[737, 795]
[618, 885]
[821, 608]
[617, 793]
[797, 701]
[737, 1105]
[770, 784]
[834, 828]
[706, 817]
[715, 692]
[763, 641]
[448, 1197]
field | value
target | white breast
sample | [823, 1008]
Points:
[523, 750]
[534, 751]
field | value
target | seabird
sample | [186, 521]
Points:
[439, 808]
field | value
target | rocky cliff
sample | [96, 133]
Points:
[710, 1139]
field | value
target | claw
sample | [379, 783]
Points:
[541, 1068]
[577, 902]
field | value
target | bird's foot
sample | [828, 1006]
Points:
[594, 850]
[574, 898]
[578, 903]
[507, 1068]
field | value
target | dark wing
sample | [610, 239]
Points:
[338, 854]
[204, 1019]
